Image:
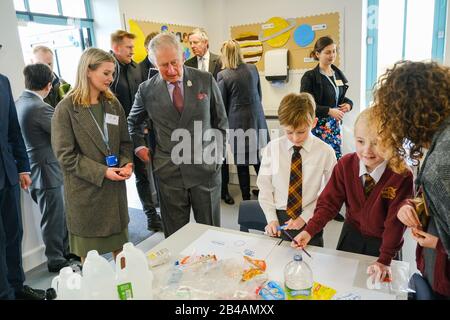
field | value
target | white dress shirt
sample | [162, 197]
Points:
[318, 160]
[375, 174]
[205, 61]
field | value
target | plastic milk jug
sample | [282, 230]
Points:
[298, 279]
[99, 278]
[133, 277]
[68, 285]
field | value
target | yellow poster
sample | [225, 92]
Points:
[142, 28]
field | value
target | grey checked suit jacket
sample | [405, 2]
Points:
[202, 102]
[35, 118]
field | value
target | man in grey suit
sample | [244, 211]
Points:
[46, 189]
[205, 60]
[181, 101]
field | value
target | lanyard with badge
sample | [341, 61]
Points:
[335, 85]
[111, 160]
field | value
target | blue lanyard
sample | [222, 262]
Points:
[333, 83]
[104, 132]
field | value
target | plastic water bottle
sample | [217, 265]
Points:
[298, 279]
[133, 277]
[99, 278]
[68, 285]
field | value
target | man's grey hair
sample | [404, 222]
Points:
[199, 33]
[164, 40]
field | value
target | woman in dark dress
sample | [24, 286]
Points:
[328, 85]
[241, 92]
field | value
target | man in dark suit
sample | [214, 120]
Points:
[186, 101]
[205, 60]
[14, 171]
[148, 70]
[43, 54]
[35, 118]
[127, 78]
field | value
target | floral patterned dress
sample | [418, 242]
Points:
[328, 129]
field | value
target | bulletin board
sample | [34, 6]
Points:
[142, 28]
[298, 35]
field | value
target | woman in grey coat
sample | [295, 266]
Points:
[241, 93]
[91, 142]
[413, 103]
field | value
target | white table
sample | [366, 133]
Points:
[342, 271]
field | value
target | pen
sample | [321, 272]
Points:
[295, 241]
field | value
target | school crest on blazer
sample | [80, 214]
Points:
[389, 193]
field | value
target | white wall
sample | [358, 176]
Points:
[235, 12]
[174, 11]
[11, 65]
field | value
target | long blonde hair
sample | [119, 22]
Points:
[231, 55]
[91, 59]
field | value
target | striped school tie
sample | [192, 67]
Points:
[369, 184]
[294, 203]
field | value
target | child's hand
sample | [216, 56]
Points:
[302, 240]
[424, 239]
[380, 272]
[408, 216]
[271, 229]
[296, 224]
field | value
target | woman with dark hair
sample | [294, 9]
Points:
[328, 85]
[412, 103]
[241, 92]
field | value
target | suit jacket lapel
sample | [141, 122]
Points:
[212, 62]
[190, 98]
[85, 119]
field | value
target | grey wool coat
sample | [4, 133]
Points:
[95, 206]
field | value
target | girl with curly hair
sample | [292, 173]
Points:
[412, 104]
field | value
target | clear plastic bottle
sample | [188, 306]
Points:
[298, 279]
[157, 258]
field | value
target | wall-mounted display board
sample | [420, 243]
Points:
[298, 35]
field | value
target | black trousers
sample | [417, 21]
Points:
[317, 240]
[244, 179]
[149, 202]
[351, 240]
[11, 231]
[225, 179]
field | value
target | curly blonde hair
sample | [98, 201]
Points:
[412, 99]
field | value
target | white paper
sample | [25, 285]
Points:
[319, 27]
[228, 245]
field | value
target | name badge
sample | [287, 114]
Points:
[112, 119]
[339, 83]
[112, 160]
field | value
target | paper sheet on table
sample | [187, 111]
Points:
[228, 245]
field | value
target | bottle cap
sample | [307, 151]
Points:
[298, 257]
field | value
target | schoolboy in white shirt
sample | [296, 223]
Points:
[294, 169]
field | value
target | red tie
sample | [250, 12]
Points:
[177, 98]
